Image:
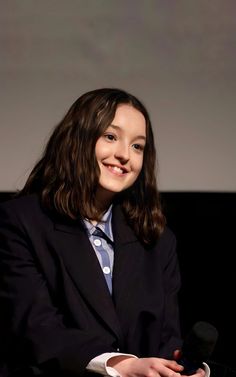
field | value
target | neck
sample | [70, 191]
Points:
[101, 210]
[103, 200]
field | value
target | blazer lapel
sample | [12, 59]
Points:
[127, 266]
[84, 269]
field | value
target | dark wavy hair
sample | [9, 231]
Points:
[66, 177]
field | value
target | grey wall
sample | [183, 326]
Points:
[177, 56]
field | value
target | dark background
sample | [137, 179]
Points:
[205, 227]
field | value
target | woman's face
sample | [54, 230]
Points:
[119, 152]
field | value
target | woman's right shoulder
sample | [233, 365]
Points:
[24, 213]
[21, 207]
[21, 202]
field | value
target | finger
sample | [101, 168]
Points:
[177, 354]
[201, 372]
[171, 370]
[172, 364]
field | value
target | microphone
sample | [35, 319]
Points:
[197, 347]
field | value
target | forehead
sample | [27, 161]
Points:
[128, 116]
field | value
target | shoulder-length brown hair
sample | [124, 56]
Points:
[67, 175]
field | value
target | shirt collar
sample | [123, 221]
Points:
[105, 224]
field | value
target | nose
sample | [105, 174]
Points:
[122, 152]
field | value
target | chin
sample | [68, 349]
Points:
[112, 190]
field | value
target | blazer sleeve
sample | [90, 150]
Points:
[32, 328]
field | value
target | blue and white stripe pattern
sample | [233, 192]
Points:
[101, 238]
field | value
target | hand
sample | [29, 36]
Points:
[199, 373]
[128, 366]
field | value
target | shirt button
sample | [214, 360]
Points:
[106, 270]
[97, 242]
[118, 350]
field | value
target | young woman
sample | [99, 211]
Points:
[88, 270]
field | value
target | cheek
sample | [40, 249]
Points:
[100, 150]
[138, 164]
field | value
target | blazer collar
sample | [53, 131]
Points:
[122, 232]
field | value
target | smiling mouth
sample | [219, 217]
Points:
[116, 169]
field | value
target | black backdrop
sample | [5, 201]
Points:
[205, 227]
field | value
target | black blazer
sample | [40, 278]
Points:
[56, 310]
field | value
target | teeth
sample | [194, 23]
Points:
[115, 168]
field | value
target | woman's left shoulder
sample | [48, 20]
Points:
[167, 237]
[164, 253]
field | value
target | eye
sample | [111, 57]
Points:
[110, 137]
[138, 147]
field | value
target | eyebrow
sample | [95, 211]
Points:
[119, 128]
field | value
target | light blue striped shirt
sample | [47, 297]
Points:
[101, 238]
